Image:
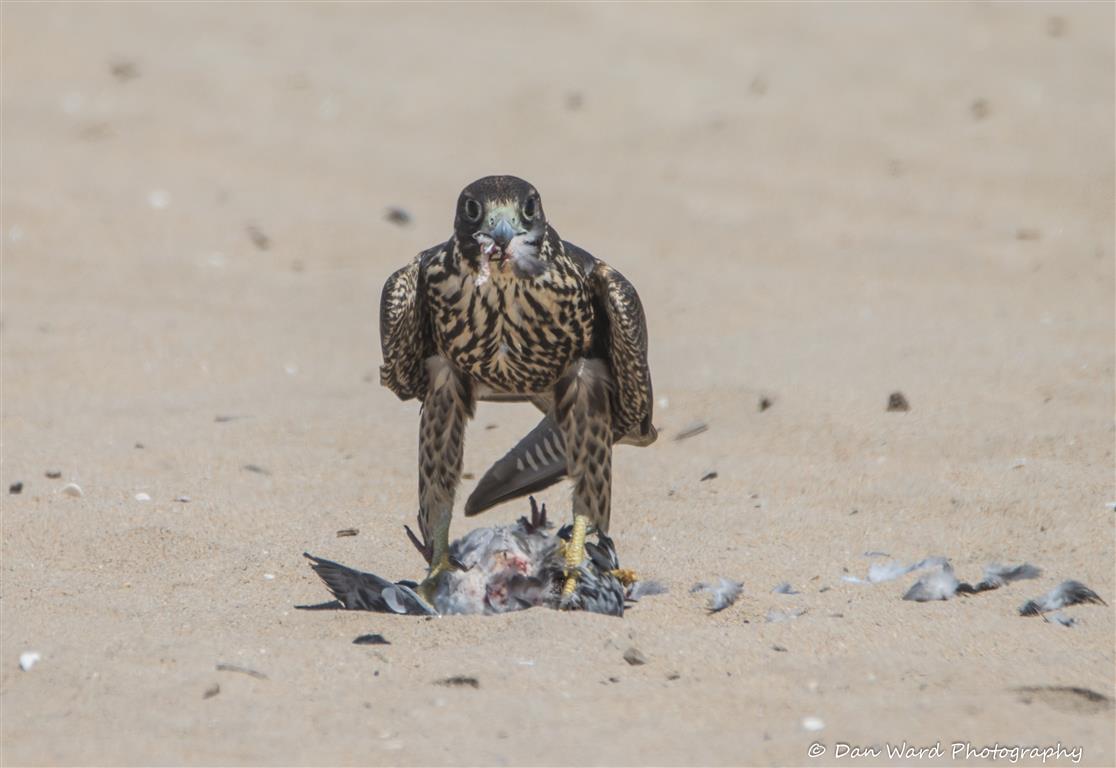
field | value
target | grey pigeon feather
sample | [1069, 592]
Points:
[1067, 593]
[723, 593]
[936, 585]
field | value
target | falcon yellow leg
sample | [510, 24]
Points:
[575, 553]
[439, 562]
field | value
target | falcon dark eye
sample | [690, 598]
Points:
[530, 208]
[473, 210]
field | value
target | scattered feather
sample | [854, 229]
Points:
[785, 589]
[876, 553]
[936, 585]
[1065, 594]
[643, 589]
[996, 576]
[723, 593]
[347, 532]
[691, 430]
[141, 496]
[893, 569]
[1060, 618]
[709, 476]
[225, 667]
[774, 616]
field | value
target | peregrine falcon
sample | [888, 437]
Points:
[506, 310]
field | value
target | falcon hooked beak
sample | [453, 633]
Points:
[503, 227]
[509, 234]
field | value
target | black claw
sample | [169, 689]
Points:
[426, 550]
[538, 515]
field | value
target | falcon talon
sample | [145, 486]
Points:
[550, 325]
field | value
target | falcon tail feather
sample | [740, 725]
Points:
[536, 462]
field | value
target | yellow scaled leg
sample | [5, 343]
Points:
[439, 562]
[575, 553]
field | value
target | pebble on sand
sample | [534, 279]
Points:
[813, 724]
[28, 659]
[141, 496]
[634, 656]
[73, 489]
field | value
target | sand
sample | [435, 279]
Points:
[820, 205]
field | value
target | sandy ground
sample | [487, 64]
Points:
[819, 205]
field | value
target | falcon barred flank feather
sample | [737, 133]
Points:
[505, 310]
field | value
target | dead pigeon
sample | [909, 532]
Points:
[499, 569]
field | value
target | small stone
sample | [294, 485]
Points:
[765, 403]
[813, 724]
[779, 648]
[28, 659]
[897, 401]
[398, 216]
[258, 237]
[269, 576]
[73, 489]
[459, 681]
[347, 532]
[183, 499]
[124, 70]
[256, 468]
[143, 497]
[708, 476]
[53, 474]
[158, 199]
[15, 488]
[980, 109]
[635, 657]
[371, 640]
[211, 691]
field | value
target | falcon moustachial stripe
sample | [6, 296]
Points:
[506, 310]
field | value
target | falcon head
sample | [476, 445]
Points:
[500, 226]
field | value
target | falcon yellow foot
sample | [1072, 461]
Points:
[575, 553]
[429, 586]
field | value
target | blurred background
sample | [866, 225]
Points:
[819, 204]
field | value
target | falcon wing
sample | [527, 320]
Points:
[404, 332]
[625, 337]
